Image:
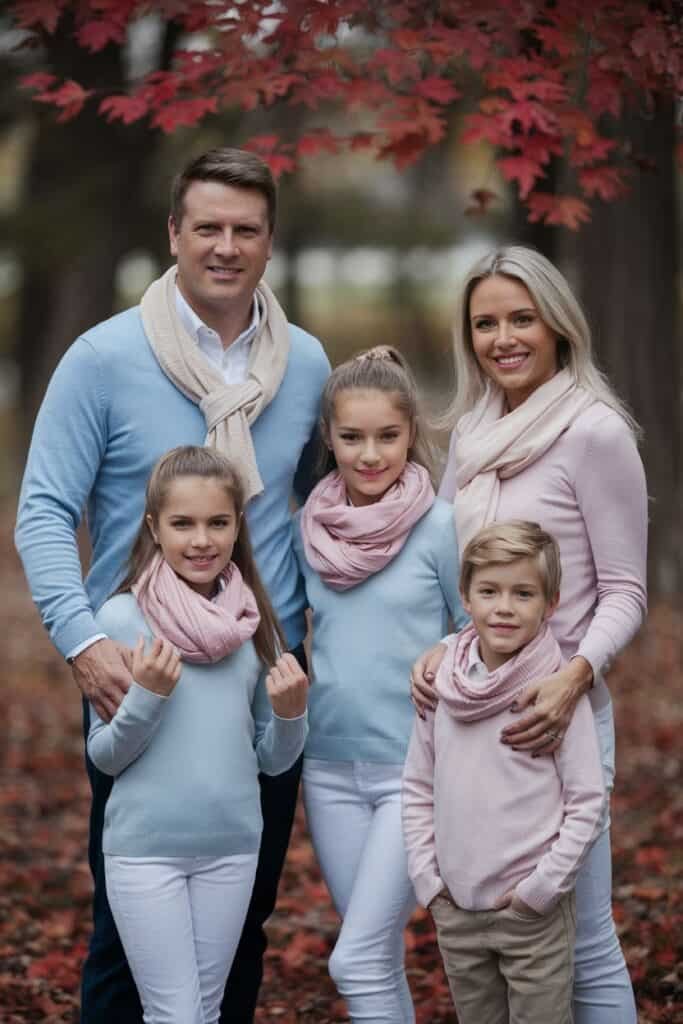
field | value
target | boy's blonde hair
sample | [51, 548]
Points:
[506, 542]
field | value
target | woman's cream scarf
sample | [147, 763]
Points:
[228, 409]
[491, 444]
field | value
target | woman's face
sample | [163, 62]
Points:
[513, 346]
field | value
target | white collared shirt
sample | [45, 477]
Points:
[233, 361]
[477, 672]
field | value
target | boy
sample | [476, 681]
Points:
[494, 836]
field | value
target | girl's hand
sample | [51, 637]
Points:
[157, 670]
[554, 701]
[287, 686]
[422, 676]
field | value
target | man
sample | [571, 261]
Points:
[207, 357]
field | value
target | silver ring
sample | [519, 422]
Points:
[553, 735]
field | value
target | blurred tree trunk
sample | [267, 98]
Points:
[627, 262]
[82, 210]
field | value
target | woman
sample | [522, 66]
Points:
[540, 435]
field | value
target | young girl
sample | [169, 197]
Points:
[379, 559]
[183, 822]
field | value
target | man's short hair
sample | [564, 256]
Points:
[506, 542]
[236, 167]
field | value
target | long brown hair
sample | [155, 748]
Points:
[193, 460]
[382, 368]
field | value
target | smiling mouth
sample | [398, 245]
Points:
[370, 473]
[511, 362]
[225, 271]
[200, 560]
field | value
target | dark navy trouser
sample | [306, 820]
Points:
[108, 992]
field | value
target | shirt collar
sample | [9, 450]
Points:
[476, 667]
[193, 323]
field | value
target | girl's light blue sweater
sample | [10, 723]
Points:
[186, 765]
[366, 639]
[108, 414]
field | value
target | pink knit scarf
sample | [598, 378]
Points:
[344, 543]
[201, 630]
[541, 657]
[491, 444]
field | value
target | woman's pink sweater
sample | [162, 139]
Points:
[480, 818]
[589, 491]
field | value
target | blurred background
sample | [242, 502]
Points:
[364, 254]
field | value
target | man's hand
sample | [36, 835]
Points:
[287, 686]
[159, 668]
[102, 676]
[422, 676]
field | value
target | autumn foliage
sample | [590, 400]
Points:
[539, 81]
[45, 886]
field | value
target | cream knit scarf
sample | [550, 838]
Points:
[491, 444]
[228, 409]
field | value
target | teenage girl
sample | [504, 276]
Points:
[379, 558]
[183, 822]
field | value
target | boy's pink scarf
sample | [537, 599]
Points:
[540, 658]
[344, 543]
[201, 630]
[491, 444]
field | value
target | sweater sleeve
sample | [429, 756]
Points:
[611, 493]
[68, 445]
[114, 745]
[417, 800]
[584, 796]
[278, 742]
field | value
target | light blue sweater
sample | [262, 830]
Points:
[186, 765]
[366, 639]
[108, 414]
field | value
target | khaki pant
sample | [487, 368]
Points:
[505, 968]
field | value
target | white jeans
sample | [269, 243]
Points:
[353, 811]
[602, 987]
[180, 920]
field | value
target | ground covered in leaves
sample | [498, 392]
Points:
[45, 885]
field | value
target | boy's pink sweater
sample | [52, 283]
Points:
[589, 491]
[481, 819]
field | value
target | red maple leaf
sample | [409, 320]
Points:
[38, 13]
[523, 170]
[95, 35]
[184, 112]
[69, 97]
[39, 80]
[317, 142]
[604, 181]
[441, 90]
[569, 211]
[124, 108]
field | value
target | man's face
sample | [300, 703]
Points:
[222, 246]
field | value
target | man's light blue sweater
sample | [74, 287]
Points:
[186, 765]
[108, 414]
[366, 639]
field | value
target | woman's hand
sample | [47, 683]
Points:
[287, 686]
[422, 676]
[157, 670]
[553, 701]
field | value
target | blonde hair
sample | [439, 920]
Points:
[558, 308]
[381, 368]
[506, 542]
[194, 460]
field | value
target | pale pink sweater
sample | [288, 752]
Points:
[589, 491]
[480, 818]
